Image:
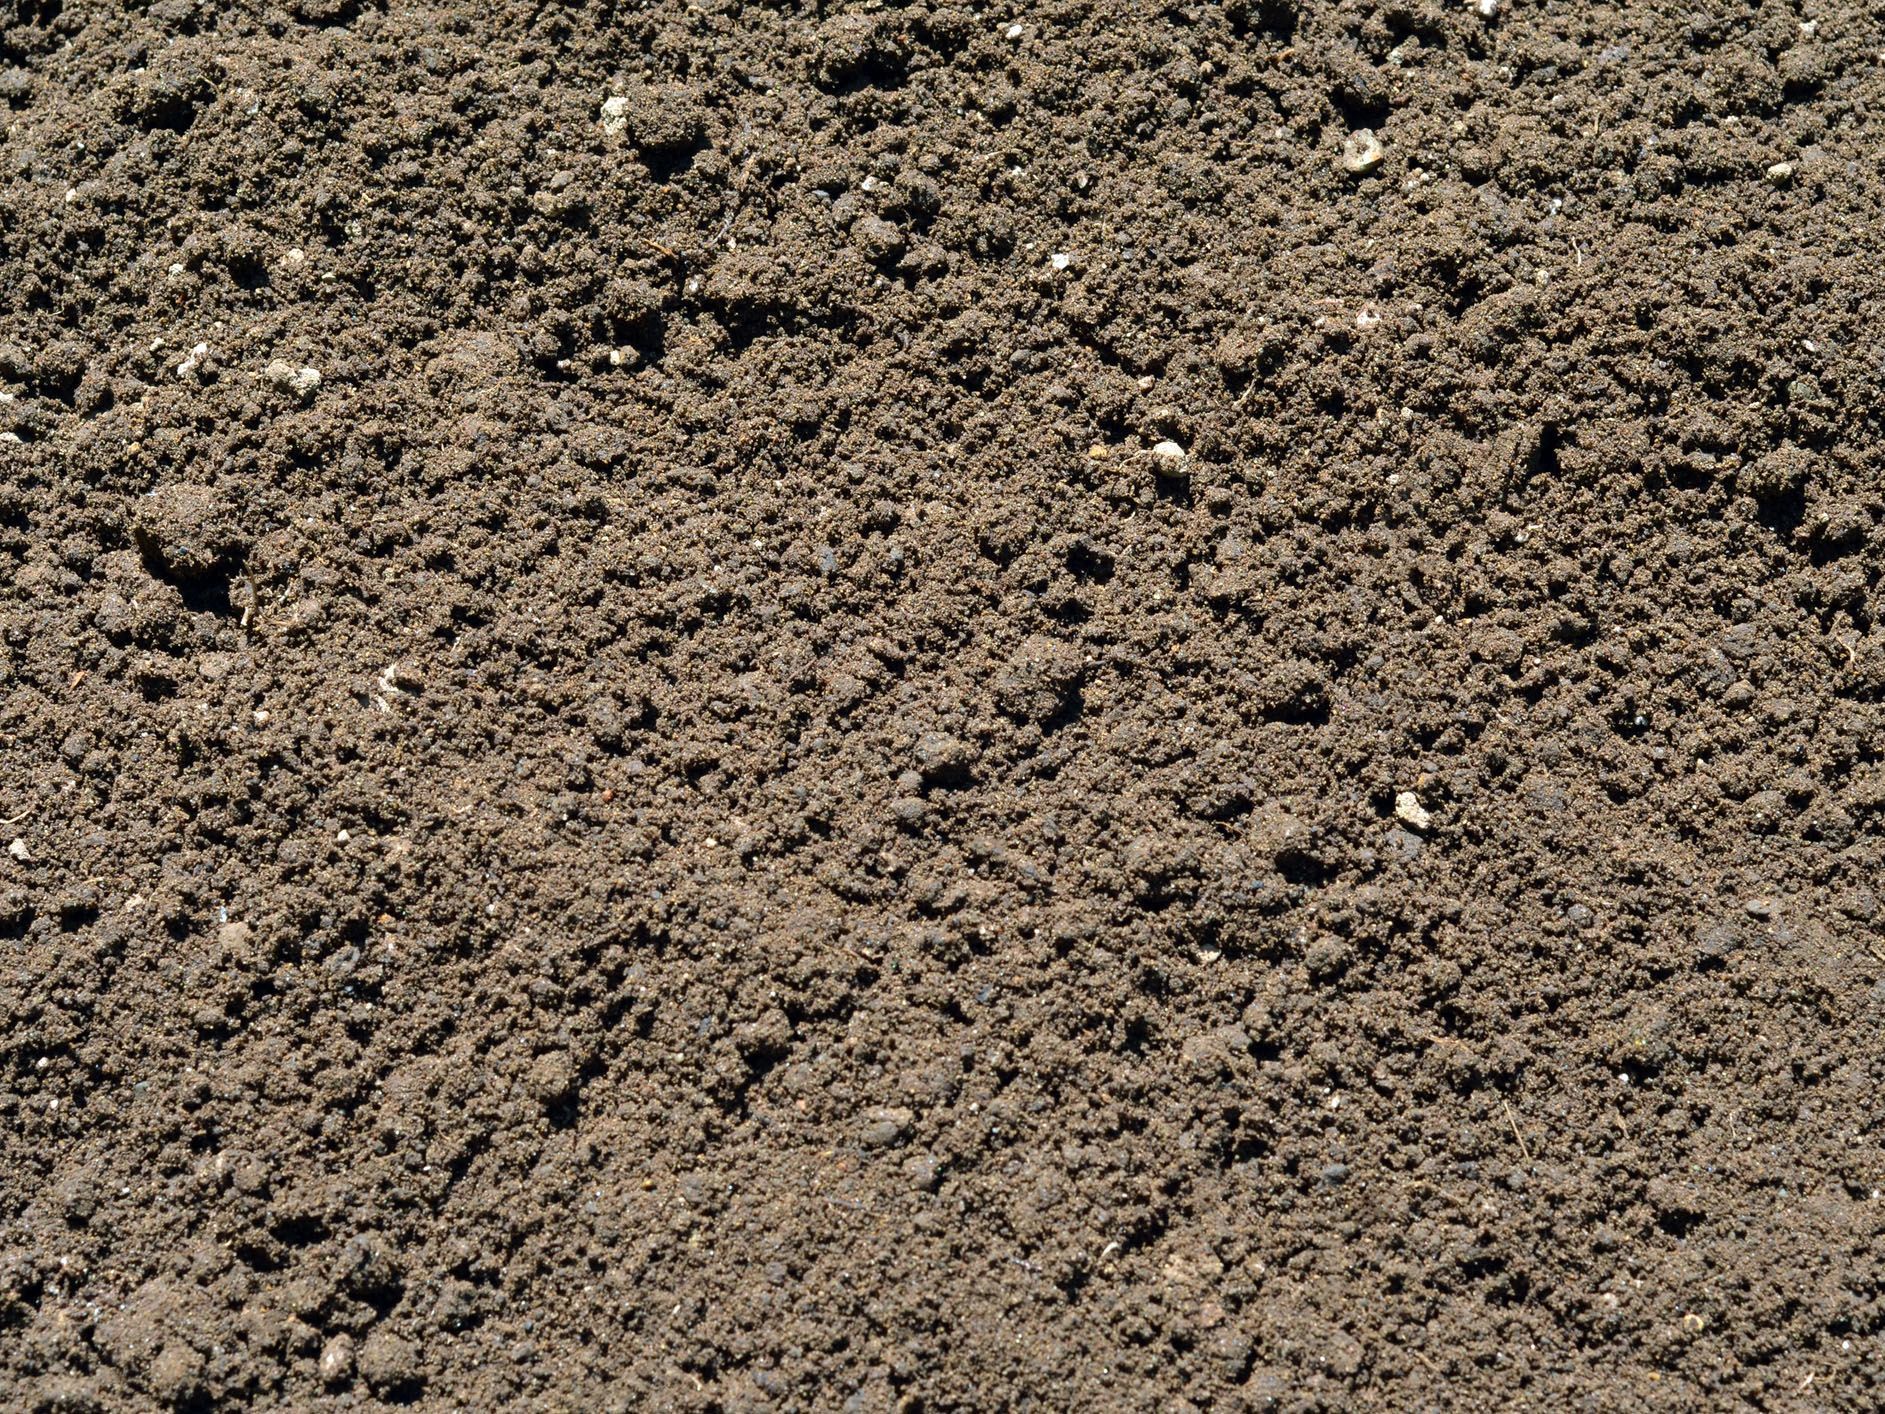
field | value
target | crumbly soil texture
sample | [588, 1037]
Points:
[741, 707]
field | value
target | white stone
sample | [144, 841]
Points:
[1409, 811]
[1171, 457]
[1362, 152]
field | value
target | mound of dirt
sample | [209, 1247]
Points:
[736, 706]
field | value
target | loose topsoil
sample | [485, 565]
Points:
[741, 707]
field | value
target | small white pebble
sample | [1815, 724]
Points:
[19, 851]
[1060, 260]
[1367, 319]
[1409, 811]
[295, 257]
[1171, 457]
[614, 115]
[1015, 32]
[342, 837]
[1780, 172]
[261, 716]
[1362, 152]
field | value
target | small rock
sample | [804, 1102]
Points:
[337, 1361]
[1780, 173]
[1409, 811]
[885, 1127]
[614, 116]
[1170, 459]
[1362, 152]
[19, 851]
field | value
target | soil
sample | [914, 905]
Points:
[726, 707]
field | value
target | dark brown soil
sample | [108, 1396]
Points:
[940, 708]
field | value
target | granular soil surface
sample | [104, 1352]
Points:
[734, 707]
